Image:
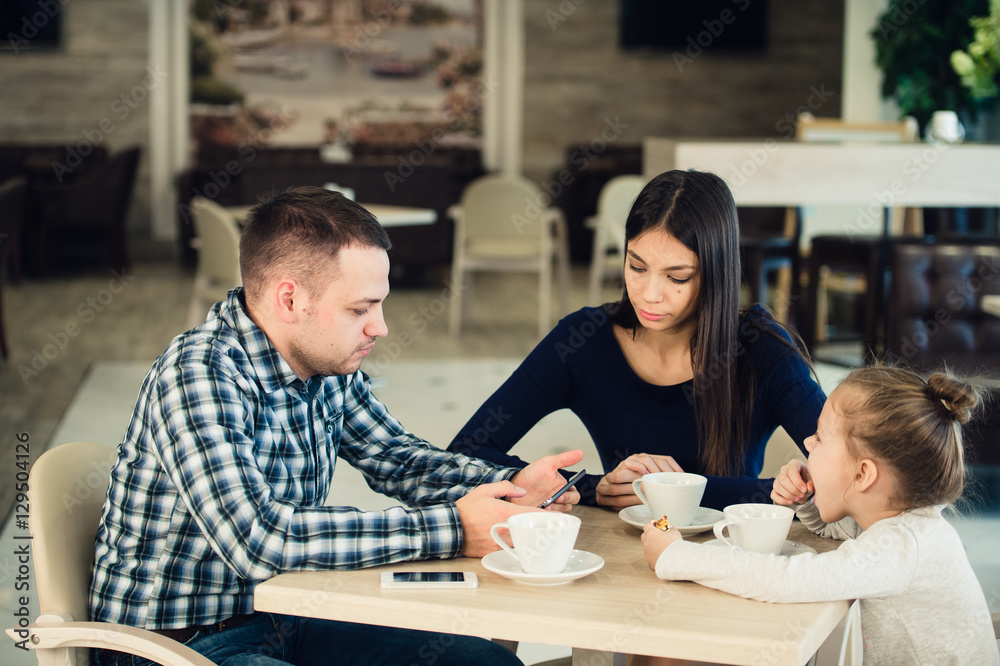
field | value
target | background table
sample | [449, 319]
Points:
[623, 608]
[991, 304]
[388, 216]
[772, 172]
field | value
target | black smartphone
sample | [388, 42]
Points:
[569, 484]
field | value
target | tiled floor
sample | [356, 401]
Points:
[432, 398]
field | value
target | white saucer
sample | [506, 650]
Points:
[580, 564]
[790, 548]
[704, 518]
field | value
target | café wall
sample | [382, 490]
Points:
[92, 90]
[579, 87]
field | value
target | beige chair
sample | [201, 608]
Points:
[68, 485]
[608, 257]
[501, 226]
[218, 243]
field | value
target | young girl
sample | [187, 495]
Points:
[885, 459]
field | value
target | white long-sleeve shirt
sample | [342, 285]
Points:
[920, 600]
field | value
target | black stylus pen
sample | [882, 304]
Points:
[569, 484]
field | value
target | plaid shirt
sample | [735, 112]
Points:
[222, 476]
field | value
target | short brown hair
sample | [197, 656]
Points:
[302, 230]
[913, 425]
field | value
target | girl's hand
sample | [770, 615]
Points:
[615, 489]
[792, 485]
[655, 541]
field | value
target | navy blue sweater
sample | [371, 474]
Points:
[580, 366]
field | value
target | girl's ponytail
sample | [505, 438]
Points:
[959, 399]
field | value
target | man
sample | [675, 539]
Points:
[222, 476]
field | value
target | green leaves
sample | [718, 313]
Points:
[979, 66]
[914, 41]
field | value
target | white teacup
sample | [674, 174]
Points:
[543, 540]
[677, 495]
[758, 527]
[945, 127]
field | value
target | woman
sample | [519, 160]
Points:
[673, 377]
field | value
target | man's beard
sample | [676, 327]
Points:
[324, 367]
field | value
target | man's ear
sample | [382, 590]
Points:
[289, 300]
[866, 474]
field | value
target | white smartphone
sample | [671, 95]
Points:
[416, 580]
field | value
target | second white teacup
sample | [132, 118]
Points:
[677, 495]
[543, 540]
[758, 527]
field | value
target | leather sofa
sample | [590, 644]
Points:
[934, 319]
[934, 312]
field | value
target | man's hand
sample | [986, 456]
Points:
[792, 485]
[541, 479]
[655, 541]
[615, 489]
[480, 510]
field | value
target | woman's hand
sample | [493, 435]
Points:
[792, 485]
[615, 489]
[655, 541]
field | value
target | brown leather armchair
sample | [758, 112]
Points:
[935, 318]
[11, 212]
[91, 204]
[934, 308]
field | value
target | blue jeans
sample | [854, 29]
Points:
[281, 640]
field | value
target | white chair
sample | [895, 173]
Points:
[501, 226]
[67, 487]
[844, 646]
[218, 243]
[613, 206]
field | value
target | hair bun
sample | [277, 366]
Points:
[959, 398]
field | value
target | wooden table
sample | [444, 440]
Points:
[622, 608]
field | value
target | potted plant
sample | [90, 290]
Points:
[914, 43]
[978, 65]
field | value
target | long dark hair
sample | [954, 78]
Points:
[698, 209]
